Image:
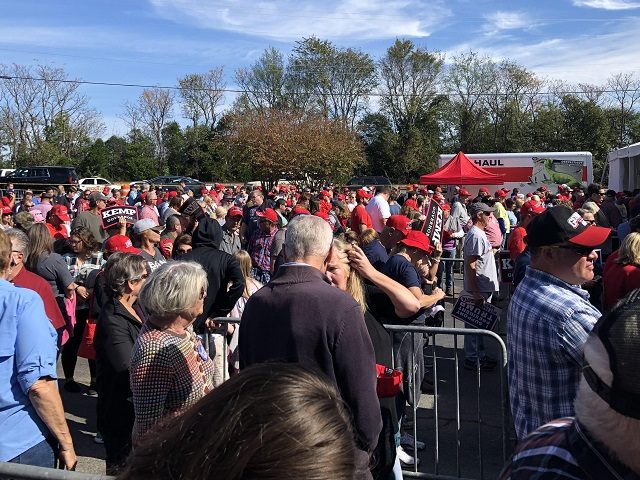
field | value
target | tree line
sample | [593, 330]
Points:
[320, 112]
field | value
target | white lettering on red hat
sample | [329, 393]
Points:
[575, 220]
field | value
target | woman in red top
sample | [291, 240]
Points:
[621, 272]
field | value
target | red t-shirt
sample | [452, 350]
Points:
[359, 217]
[516, 243]
[617, 280]
[27, 279]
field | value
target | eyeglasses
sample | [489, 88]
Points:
[183, 250]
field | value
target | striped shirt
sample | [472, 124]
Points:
[563, 449]
[169, 373]
[548, 322]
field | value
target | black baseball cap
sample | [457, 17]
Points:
[618, 380]
[560, 224]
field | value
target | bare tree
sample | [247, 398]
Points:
[264, 83]
[201, 95]
[624, 92]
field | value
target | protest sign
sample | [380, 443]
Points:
[110, 216]
[432, 227]
[191, 208]
[505, 267]
[483, 316]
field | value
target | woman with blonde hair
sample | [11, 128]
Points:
[251, 286]
[621, 272]
[383, 300]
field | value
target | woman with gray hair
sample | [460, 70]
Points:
[117, 329]
[170, 369]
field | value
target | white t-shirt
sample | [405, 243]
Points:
[378, 210]
[477, 244]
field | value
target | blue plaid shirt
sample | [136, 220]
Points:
[548, 323]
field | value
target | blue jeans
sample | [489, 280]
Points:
[40, 455]
[263, 276]
[448, 269]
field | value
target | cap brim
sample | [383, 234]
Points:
[64, 218]
[592, 236]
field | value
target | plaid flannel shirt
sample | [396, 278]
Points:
[260, 249]
[548, 322]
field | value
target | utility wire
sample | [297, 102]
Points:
[337, 94]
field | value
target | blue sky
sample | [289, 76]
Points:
[154, 42]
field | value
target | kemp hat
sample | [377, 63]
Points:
[269, 214]
[144, 225]
[417, 240]
[400, 223]
[531, 208]
[120, 243]
[616, 377]
[560, 224]
[234, 212]
[362, 193]
[480, 207]
[61, 212]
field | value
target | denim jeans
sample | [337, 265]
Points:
[40, 455]
[447, 267]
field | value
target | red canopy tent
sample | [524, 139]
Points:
[461, 171]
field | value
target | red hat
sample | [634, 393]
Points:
[219, 186]
[173, 193]
[345, 189]
[235, 212]
[445, 206]
[322, 215]
[531, 208]
[501, 194]
[6, 211]
[269, 214]
[438, 198]
[400, 223]
[341, 196]
[204, 191]
[106, 190]
[543, 188]
[529, 195]
[361, 193]
[463, 193]
[288, 203]
[5, 201]
[324, 193]
[61, 212]
[301, 211]
[417, 240]
[411, 203]
[119, 243]
[483, 190]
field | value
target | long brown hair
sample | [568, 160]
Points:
[243, 258]
[269, 422]
[40, 242]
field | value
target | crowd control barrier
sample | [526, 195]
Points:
[465, 422]
[16, 471]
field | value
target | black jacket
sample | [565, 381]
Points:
[116, 332]
[298, 317]
[222, 271]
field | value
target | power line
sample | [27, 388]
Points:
[449, 93]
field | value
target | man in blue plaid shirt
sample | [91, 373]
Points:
[550, 317]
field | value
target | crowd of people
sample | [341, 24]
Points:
[314, 274]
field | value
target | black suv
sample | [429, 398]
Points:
[39, 178]
[171, 182]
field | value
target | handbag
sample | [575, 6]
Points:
[389, 382]
[86, 348]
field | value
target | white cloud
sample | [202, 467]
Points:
[293, 19]
[607, 4]
[501, 20]
[583, 58]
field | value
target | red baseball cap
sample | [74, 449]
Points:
[361, 193]
[322, 215]
[120, 243]
[301, 211]
[269, 214]
[6, 211]
[234, 212]
[411, 203]
[483, 190]
[417, 240]
[173, 193]
[531, 208]
[501, 194]
[61, 212]
[445, 206]
[463, 193]
[438, 198]
[400, 223]
[324, 193]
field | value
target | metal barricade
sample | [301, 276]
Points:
[16, 471]
[468, 414]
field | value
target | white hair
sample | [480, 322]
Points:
[19, 242]
[172, 289]
[620, 434]
[307, 236]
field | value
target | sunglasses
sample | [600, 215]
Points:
[580, 250]
[183, 250]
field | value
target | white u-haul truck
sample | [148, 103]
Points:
[528, 171]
